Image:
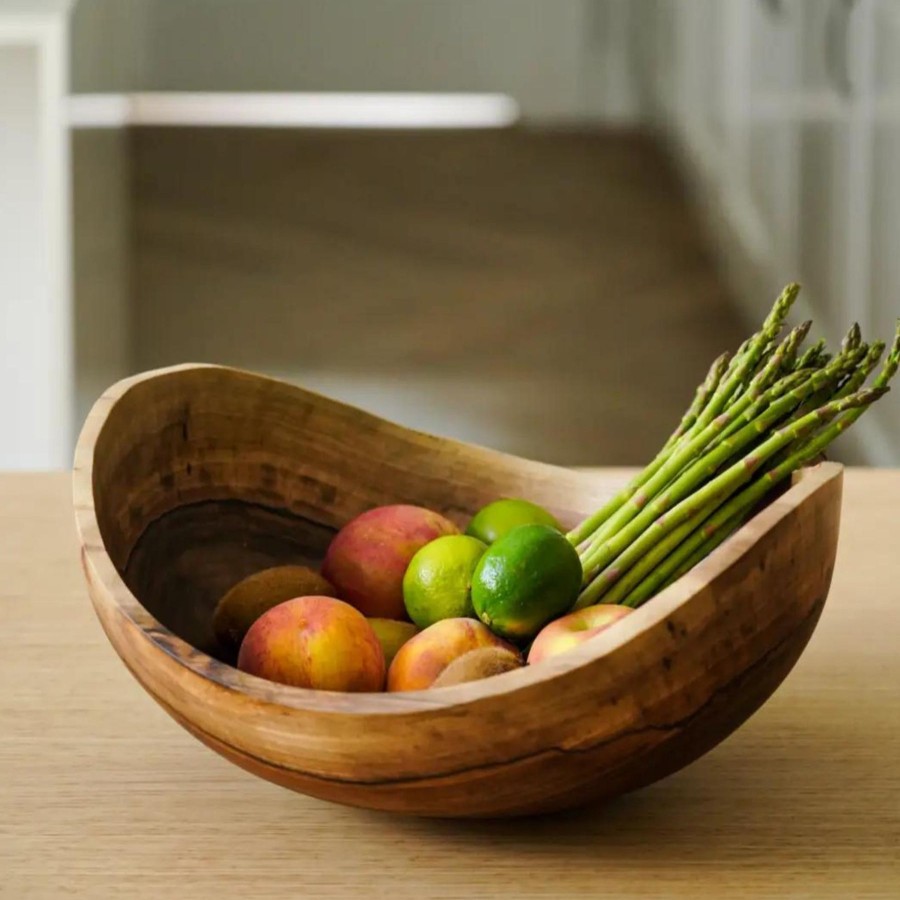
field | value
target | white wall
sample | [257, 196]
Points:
[561, 59]
[108, 54]
[109, 45]
[102, 244]
[35, 320]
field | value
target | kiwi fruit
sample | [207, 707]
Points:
[256, 594]
[478, 664]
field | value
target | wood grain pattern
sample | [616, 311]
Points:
[101, 797]
[494, 286]
[642, 700]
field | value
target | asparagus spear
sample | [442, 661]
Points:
[863, 370]
[734, 513]
[712, 390]
[852, 342]
[622, 552]
[746, 361]
[639, 513]
[652, 561]
[704, 391]
[685, 453]
[701, 397]
[882, 380]
[812, 357]
[781, 360]
[853, 338]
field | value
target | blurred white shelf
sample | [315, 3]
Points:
[294, 110]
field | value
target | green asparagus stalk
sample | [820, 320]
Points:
[705, 541]
[853, 338]
[644, 532]
[686, 452]
[811, 358]
[858, 378]
[781, 361]
[638, 513]
[881, 381]
[820, 385]
[703, 549]
[710, 391]
[745, 362]
[732, 514]
[704, 391]
[701, 398]
[651, 561]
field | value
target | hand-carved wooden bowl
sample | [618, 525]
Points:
[188, 479]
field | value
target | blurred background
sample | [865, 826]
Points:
[526, 223]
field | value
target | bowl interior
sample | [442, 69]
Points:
[203, 475]
[188, 558]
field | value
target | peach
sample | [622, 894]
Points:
[246, 601]
[423, 658]
[392, 635]
[573, 629]
[314, 642]
[368, 557]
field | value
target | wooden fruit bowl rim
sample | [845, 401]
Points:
[103, 575]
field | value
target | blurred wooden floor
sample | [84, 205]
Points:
[549, 294]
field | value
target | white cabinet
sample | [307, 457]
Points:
[884, 222]
[774, 32]
[788, 117]
[822, 226]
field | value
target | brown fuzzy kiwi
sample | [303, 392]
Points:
[477, 664]
[241, 606]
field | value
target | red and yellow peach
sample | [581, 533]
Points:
[314, 642]
[424, 657]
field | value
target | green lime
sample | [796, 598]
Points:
[524, 580]
[438, 581]
[497, 519]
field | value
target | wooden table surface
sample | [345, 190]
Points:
[101, 795]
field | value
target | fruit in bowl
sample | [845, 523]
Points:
[497, 519]
[438, 581]
[256, 594]
[314, 642]
[525, 579]
[423, 658]
[572, 630]
[369, 556]
[484, 662]
[392, 635]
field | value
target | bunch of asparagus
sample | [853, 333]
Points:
[758, 416]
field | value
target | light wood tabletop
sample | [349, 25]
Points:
[101, 795]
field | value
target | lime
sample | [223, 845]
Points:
[524, 580]
[438, 581]
[497, 519]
